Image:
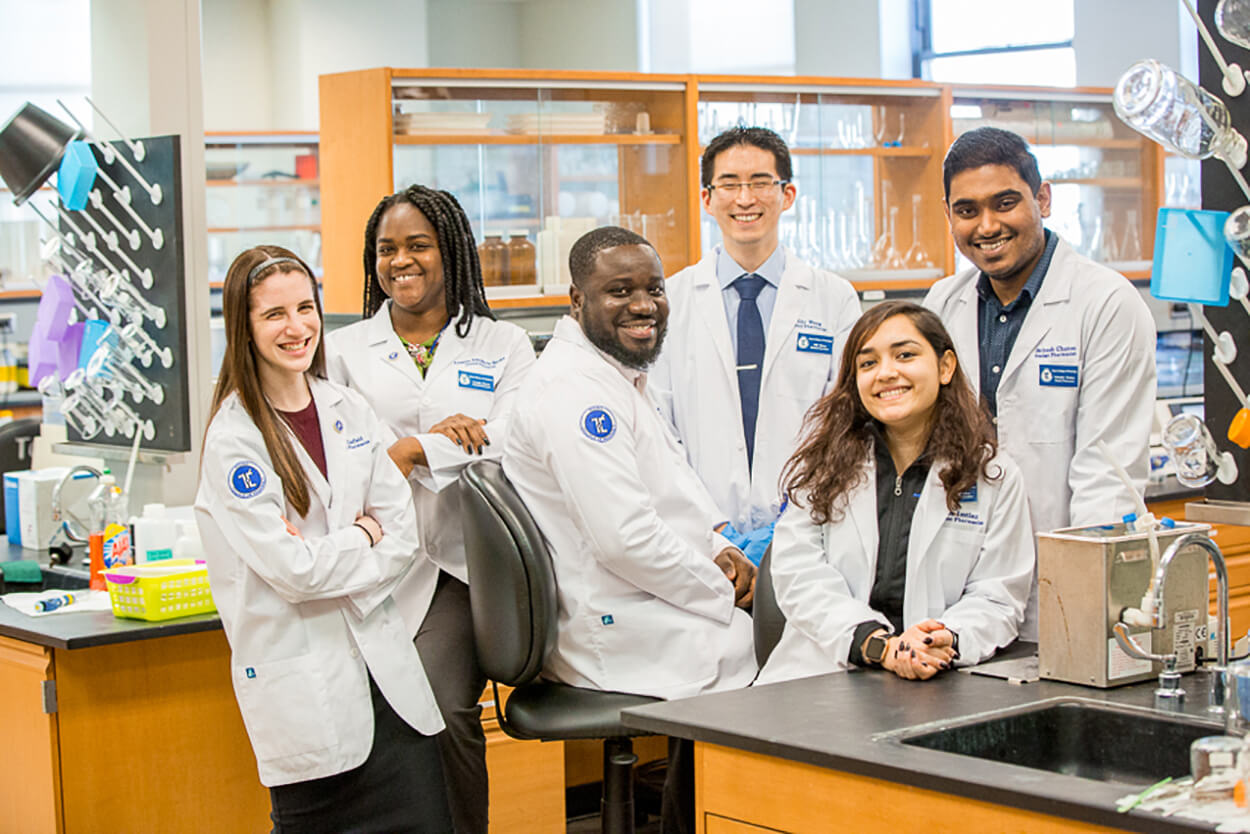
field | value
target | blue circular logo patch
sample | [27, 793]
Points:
[245, 479]
[338, 426]
[394, 355]
[598, 424]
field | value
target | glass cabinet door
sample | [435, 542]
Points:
[535, 166]
[262, 189]
[869, 196]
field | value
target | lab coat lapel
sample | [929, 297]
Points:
[327, 400]
[931, 512]
[862, 511]
[792, 298]
[711, 311]
[1055, 290]
[965, 333]
[389, 351]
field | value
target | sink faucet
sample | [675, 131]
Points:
[64, 536]
[1169, 678]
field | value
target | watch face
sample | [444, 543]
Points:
[875, 651]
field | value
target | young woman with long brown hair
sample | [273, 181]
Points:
[906, 544]
[307, 526]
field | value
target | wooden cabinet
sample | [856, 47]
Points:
[545, 155]
[527, 152]
[1234, 542]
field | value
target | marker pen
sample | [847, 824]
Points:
[54, 603]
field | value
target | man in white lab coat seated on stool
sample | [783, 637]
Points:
[650, 598]
[1062, 349]
[754, 339]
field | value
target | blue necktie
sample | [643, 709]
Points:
[750, 354]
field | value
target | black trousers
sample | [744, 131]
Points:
[399, 788]
[449, 655]
[677, 801]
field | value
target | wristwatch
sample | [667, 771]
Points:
[875, 647]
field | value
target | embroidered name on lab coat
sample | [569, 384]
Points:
[480, 363]
[1058, 376]
[814, 343]
[478, 382]
[358, 441]
[598, 424]
[810, 324]
[1055, 352]
[965, 518]
[245, 479]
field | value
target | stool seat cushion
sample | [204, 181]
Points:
[544, 710]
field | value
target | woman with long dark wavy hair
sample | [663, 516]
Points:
[906, 545]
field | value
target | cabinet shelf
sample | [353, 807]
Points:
[538, 139]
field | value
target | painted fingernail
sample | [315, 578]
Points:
[946, 666]
[913, 652]
[928, 641]
[925, 665]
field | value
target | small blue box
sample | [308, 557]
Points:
[1192, 261]
[76, 175]
[12, 528]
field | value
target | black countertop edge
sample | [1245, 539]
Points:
[95, 628]
[838, 722]
[1040, 802]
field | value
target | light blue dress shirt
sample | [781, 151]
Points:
[728, 270]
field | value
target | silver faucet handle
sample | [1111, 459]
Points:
[1169, 695]
[1130, 647]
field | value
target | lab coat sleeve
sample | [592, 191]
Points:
[299, 569]
[389, 501]
[444, 459]
[1116, 406]
[604, 493]
[811, 588]
[987, 616]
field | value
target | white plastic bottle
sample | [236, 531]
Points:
[188, 544]
[155, 534]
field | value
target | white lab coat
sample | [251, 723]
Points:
[477, 376]
[643, 608]
[310, 617]
[1086, 317]
[971, 570]
[696, 381]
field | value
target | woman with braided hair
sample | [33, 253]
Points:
[438, 368]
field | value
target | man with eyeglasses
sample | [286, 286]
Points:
[754, 337]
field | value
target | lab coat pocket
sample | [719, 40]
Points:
[961, 547]
[285, 706]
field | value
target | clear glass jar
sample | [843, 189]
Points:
[1163, 105]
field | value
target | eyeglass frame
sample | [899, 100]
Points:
[733, 189]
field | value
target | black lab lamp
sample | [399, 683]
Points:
[32, 143]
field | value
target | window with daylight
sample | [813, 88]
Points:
[1008, 42]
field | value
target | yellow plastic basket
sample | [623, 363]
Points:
[160, 591]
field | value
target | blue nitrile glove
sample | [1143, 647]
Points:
[730, 532]
[757, 541]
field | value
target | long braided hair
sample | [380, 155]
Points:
[462, 272]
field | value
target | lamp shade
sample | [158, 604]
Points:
[32, 143]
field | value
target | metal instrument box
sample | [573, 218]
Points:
[1087, 576]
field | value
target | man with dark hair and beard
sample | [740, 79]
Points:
[651, 598]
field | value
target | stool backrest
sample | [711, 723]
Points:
[767, 621]
[512, 585]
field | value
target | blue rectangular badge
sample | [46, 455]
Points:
[969, 495]
[1058, 376]
[814, 343]
[480, 382]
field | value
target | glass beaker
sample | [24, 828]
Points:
[1163, 105]
[1237, 232]
[1194, 452]
[1130, 249]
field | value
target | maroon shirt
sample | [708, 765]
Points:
[308, 429]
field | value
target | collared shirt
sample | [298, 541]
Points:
[999, 324]
[897, 497]
[728, 270]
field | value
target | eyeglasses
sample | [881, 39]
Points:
[733, 189]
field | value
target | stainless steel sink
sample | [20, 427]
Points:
[1073, 736]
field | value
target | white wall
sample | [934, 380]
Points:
[1112, 34]
[313, 37]
[238, 65]
[579, 34]
[474, 34]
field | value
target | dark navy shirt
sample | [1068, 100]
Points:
[999, 325]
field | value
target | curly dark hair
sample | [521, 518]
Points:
[462, 272]
[838, 430]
